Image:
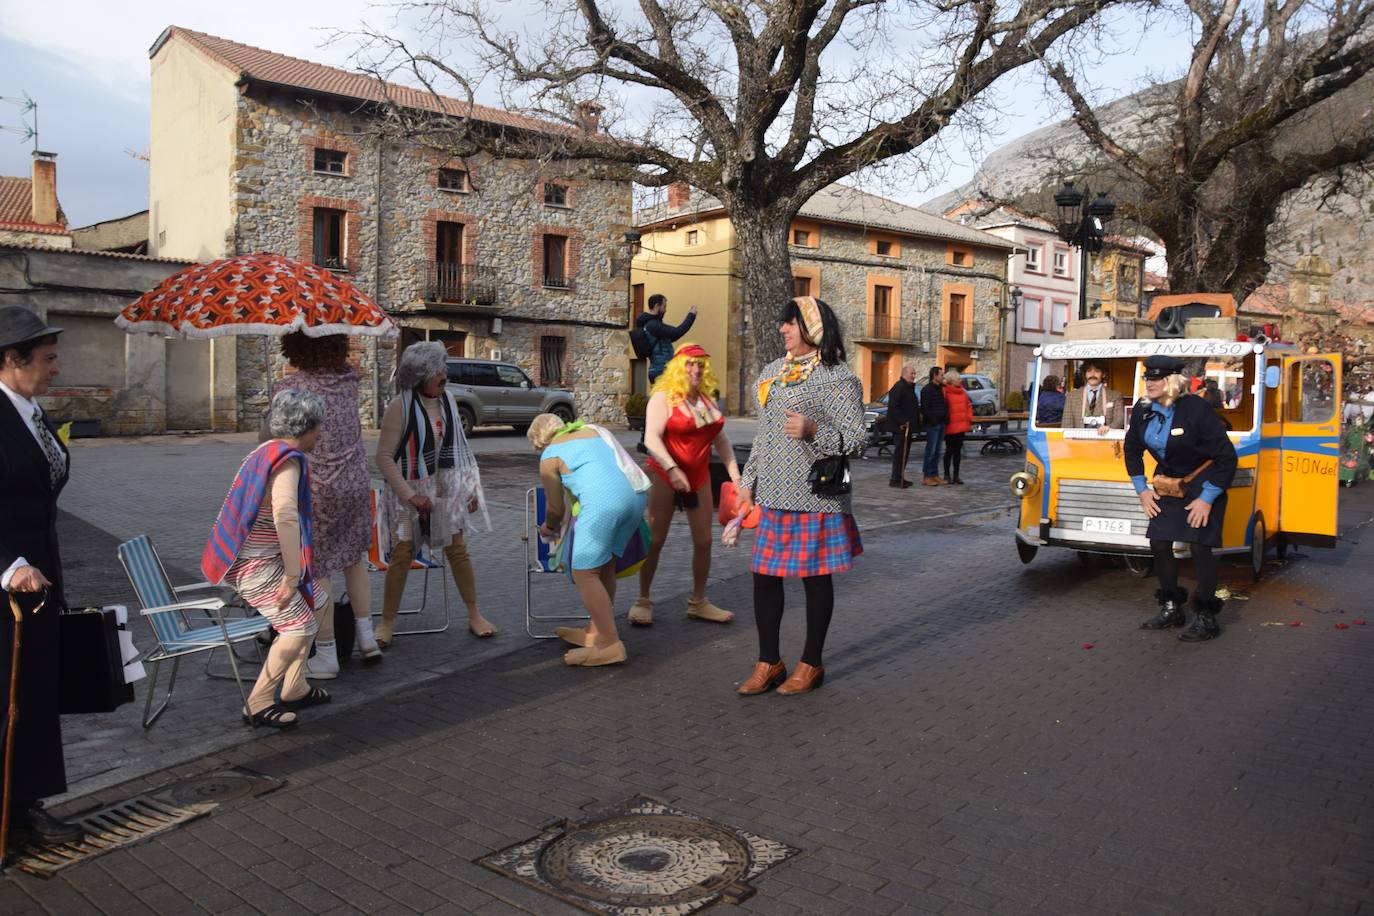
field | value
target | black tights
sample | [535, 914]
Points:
[1166, 567]
[820, 605]
[954, 452]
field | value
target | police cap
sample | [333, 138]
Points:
[1160, 366]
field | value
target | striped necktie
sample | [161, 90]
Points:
[57, 462]
[1092, 402]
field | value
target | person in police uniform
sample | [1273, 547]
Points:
[1182, 432]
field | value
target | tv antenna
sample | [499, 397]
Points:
[28, 112]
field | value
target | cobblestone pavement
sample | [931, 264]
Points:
[968, 753]
[170, 487]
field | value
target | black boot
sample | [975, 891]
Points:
[1204, 625]
[1171, 613]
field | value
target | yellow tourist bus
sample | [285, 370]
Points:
[1282, 408]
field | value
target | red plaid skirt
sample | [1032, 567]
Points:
[801, 544]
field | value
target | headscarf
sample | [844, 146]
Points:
[797, 369]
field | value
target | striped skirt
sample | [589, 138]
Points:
[257, 580]
[801, 544]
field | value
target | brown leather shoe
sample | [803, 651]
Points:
[804, 679]
[764, 678]
[931, 482]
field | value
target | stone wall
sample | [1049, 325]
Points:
[389, 191]
[107, 376]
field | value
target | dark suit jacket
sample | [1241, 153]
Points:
[28, 528]
[1197, 435]
[1112, 409]
[902, 406]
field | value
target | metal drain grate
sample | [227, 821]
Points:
[641, 857]
[144, 816]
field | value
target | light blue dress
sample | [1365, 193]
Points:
[611, 509]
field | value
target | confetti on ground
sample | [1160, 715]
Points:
[1360, 622]
[1087, 645]
[1225, 594]
[1296, 623]
[1273, 623]
[1342, 626]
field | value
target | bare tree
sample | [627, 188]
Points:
[760, 103]
[1277, 95]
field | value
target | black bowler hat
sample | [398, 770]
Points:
[1159, 366]
[20, 324]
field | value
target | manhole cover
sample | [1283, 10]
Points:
[144, 816]
[215, 787]
[641, 857]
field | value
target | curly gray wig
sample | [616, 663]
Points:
[420, 361]
[295, 413]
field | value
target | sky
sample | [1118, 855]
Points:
[86, 65]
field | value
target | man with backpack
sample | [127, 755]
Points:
[653, 338]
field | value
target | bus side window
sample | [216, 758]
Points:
[1271, 396]
[1294, 392]
[1318, 395]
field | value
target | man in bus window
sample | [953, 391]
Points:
[1094, 405]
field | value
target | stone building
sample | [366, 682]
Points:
[29, 210]
[111, 383]
[1116, 277]
[905, 284]
[1045, 270]
[256, 151]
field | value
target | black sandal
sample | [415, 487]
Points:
[315, 697]
[273, 716]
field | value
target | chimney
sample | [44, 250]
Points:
[589, 115]
[679, 193]
[44, 188]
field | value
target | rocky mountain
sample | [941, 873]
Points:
[1027, 171]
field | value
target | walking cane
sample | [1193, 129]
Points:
[10, 715]
[906, 448]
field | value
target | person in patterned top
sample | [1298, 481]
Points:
[810, 406]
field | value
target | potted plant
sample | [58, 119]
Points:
[635, 406]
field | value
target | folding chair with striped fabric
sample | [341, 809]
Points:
[182, 626]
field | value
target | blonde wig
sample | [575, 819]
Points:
[1175, 386]
[542, 430]
[673, 382]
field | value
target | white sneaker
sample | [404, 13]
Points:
[366, 641]
[325, 665]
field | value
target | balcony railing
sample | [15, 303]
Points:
[471, 284]
[880, 327]
[553, 282]
[959, 333]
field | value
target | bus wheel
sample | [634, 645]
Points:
[1026, 551]
[1140, 567]
[1257, 549]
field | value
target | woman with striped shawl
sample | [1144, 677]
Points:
[433, 485]
[261, 545]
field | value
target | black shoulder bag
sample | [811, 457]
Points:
[830, 475]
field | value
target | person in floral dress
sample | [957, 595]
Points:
[340, 490]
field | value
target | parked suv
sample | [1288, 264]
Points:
[982, 392]
[491, 393]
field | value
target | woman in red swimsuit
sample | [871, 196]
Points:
[680, 427]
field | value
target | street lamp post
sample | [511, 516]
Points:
[1083, 226]
[1015, 295]
[631, 249]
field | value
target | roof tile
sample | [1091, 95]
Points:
[271, 67]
